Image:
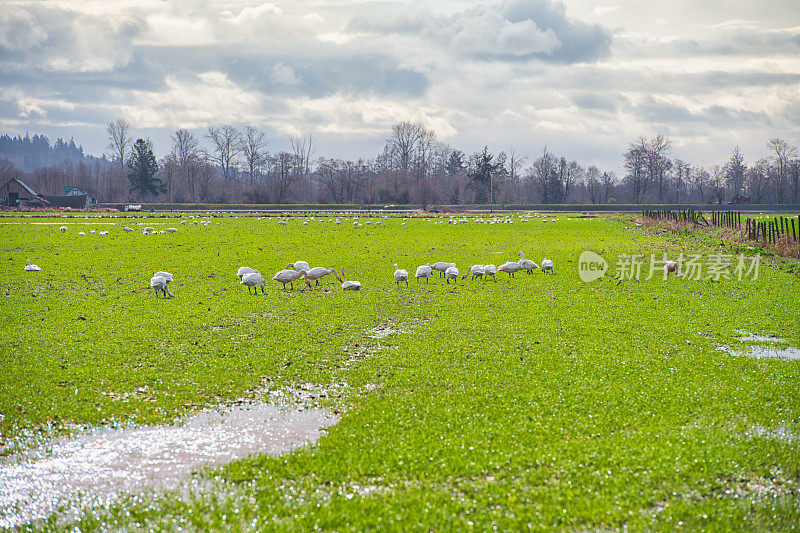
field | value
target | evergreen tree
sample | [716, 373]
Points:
[481, 175]
[142, 168]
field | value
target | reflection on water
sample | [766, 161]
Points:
[93, 469]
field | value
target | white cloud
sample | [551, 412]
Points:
[604, 10]
[252, 13]
[284, 75]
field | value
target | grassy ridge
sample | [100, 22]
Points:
[535, 402]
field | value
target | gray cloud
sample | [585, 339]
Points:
[512, 30]
[38, 37]
[658, 112]
[598, 102]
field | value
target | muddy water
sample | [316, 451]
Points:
[95, 469]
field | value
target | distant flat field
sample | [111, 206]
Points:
[534, 402]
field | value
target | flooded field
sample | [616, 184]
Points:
[95, 469]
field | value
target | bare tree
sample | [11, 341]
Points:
[303, 149]
[119, 141]
[514, 164]
[757, 180]
[682, 171]
[636, 165]
[404, 142]
[542, 175]
[658, 164]
[252, 145]
[593, 186]
[170, 167]
[782, 156]
[608, 180]
[185, 148]
[226, 146]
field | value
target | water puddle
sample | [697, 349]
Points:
[781, 433]
[382, 332]
[746, 336]
[92, 470]
[763, 347]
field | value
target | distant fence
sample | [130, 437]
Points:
[767, 231]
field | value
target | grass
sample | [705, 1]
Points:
[538, 402]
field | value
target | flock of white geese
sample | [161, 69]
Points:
[301, 270]
[252, 279]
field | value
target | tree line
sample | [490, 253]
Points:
[234, 165]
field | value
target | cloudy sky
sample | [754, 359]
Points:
[582, 77]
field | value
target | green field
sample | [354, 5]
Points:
[539, 402]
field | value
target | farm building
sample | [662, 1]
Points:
[16, 193]
[72, 190]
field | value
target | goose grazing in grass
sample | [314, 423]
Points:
[451, 273]
[527, 264]
[489, 270]
[253, 279]
[424, 271]
[671, 267]
[159, 283]
[477, 271]
[31, 268]
[244, 270]
[510, 268]
[166, 275]
[317, 273]
[126, 228]
[547, 266]
[63, 229]
[350, 285]
[400, 275]
[288, 275]
[81, 233]
[299, 265]
[442, 267]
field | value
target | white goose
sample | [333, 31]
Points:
[317, 273]
[424, 271]
[166, 275]
[244, 270]
[477, 271]
[527, 264]
[451, 273]
[400, 275]
[510, 268]
[489, 270]
[289, 276]
[547, 266]
[63, 229]
[441, 266]
[159, 283]
[350, 285]
[253, 279]
[31, 268]
[300, 265]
